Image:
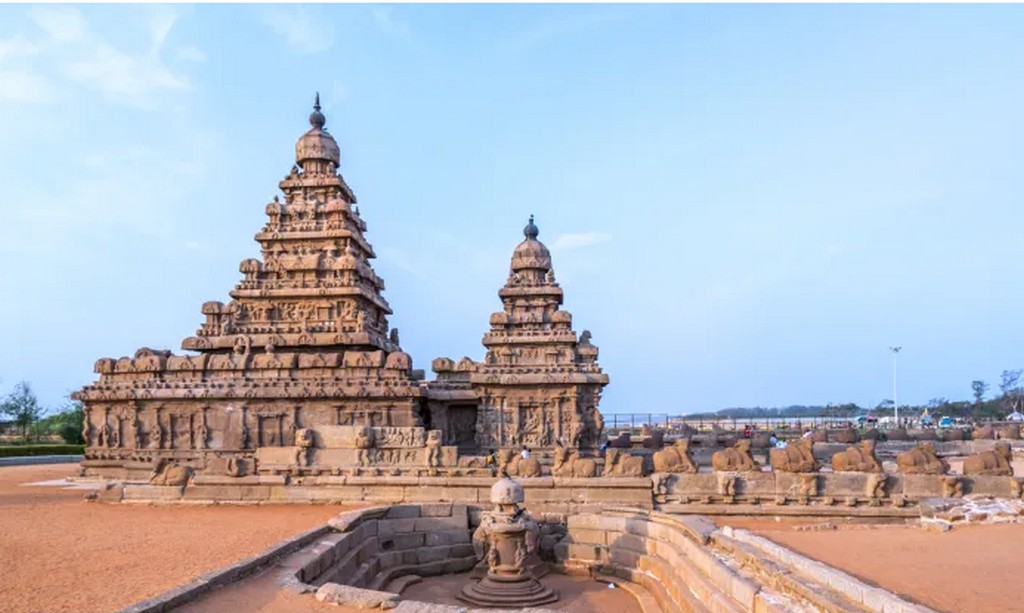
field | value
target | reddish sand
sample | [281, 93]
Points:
[970, 568]
[60, 553]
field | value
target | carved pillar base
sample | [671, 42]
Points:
[496, 590]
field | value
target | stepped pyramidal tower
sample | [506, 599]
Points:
[304, 342]
[299, 375]
[538, 385]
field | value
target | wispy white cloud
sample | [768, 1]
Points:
[18, 46]
[124, 77]
[71, 54]
[22, 86]
[63, 24]
[565, 242]
[190, 53]
[389, 24]
[300, 30]
[160, 27]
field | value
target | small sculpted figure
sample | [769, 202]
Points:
[858, 459]
[795, 457]
[996, 462]
[735, 458]
[675, 459]
[364, 443]
[513, 464]
[433, 448]
[303, 446]
[921, 460]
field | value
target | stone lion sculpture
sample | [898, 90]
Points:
[921, 460]
[568, 463]
[165, 473]
[735, 458]
[857, 459]
[619, 463]
[995, 462]
[675, 459]
[622, 441]
[795, 457]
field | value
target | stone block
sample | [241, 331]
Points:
[152, 492]
[391, 527]
[433, 524]
[631, 542]
[588, 553]
[447, 537]
[440, 509]
[922, 486]
[384, 493]
[403, 511]
[424, 493]
[411, 540]
[588, 536]
[426, 555]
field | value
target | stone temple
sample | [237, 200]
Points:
[301, 372]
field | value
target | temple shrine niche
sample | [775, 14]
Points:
[300, 372]
[538, 386]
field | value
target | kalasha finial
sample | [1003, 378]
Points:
[316, 118]
[531, 231]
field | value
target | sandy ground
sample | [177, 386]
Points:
[59, 553]
[259, 594]
[972, 568]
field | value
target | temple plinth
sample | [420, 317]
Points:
[299, 374]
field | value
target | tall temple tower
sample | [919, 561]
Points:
[538, 384]
[304, 342]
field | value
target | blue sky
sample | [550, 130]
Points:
[746, 205]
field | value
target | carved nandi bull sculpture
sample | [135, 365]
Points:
[735, 458]
[675, 459]
[857, 459]
[996, 462]
[795, 457]
[922, 460]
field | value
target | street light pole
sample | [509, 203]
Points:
[895, 404]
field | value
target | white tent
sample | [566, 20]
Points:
[1015, 416]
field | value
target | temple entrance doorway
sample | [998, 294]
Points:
[462, 426]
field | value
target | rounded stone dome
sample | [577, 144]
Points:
[531, 253]
[507, 491]
[317, 144]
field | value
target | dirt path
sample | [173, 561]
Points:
[971, 568]
[60, 553]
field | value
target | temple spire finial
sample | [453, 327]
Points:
[531, 231]
[316, 118]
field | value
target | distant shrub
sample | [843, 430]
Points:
[14, 451]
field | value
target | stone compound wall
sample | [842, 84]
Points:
[688, 565]
[370, 548]
[543, 494]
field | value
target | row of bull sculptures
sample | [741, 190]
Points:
[795, 457]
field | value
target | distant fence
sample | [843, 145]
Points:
[637, 421]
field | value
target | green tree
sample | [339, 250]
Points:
[22, 407]
[979, 387]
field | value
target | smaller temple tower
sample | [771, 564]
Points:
[538, 385]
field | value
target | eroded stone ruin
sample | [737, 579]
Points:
[300, 372]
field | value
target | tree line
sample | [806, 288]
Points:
[32, 421]
[1009, 399]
